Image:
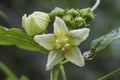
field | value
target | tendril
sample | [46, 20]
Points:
[95, 5]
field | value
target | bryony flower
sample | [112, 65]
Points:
[63, 44]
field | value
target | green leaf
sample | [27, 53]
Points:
[23, 78]
[19, 38]
[9, 74]
[102, 42]
[110, 74]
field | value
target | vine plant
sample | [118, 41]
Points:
[70, 29]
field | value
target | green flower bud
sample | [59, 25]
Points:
[87, 14]
[79, 22]
[57, 12]
[35, 23]
[73, 12]
[74, 23]
[68, 19]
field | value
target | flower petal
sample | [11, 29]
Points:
[79, 35]
[54, 58]
[60, 29]
[46, 40]
[75, 56]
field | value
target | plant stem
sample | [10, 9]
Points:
[95, 5]
[51, 74]
[110, 74]
[7, 72]
[56, 73]
[63, 72]
[64, 62]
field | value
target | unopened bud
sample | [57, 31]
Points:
[35, 23]
[87, 14]
[57, 12]
[69, 21]
[79, 22]
[67, 18]
[73, 12]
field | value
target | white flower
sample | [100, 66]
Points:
[63, 44]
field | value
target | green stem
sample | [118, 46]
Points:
[63, 72]
[66, 61]
[51, 74]
[110, 74]
[56, 73]
[8, 72]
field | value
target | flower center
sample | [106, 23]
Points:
[62, 43]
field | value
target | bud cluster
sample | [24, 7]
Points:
[74, 18]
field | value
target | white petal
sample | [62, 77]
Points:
[79, 35]
[75, 56]
[60, 29]
[54, 58]
[46, 40]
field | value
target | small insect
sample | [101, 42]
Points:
[89, 55]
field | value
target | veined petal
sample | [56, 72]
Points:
[60, 29]
[54, 58]
[79, 35]
[46, 40]
[75, 56]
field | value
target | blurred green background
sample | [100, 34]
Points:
[32, 64]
